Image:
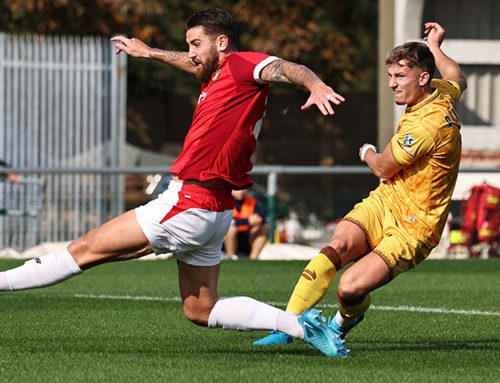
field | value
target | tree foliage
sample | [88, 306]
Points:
[336, 38]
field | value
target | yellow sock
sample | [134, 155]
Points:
[313, 284]
[352, 311]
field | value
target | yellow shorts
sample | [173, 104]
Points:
[395, 241]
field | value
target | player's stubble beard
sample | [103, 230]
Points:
[208, 67]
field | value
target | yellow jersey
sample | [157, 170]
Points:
[428, 145]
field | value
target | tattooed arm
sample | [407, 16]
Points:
[289, 72]
[136, 48]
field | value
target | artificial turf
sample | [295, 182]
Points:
[123, 322]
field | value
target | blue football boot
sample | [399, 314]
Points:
[318, 335]
[342, 331]
[275, 338]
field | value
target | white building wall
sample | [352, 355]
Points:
[473, 40]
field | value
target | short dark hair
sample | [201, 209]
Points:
[214, 21]
[415, 54]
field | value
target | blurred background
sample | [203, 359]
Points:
[91, 134]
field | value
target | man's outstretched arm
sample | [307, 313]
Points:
[448, 68]
[289, 72]
[136, 48]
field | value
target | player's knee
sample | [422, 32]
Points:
[349, 289]
[196, 311]
[79, 249]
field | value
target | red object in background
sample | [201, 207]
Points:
[481, 215]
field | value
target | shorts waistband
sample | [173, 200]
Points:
[199, 188]
[208, 185]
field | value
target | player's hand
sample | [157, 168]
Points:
[321, 96]
[434, 34]
[133, 47]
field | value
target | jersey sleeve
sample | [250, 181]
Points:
[262, 65]
[410, 143]
[448, 87]
[246, 67]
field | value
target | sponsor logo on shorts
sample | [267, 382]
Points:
[412, 219]
[38, 260]
[310, 275]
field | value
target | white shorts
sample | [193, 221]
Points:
[189, 221]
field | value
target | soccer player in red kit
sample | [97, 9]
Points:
[192, 216]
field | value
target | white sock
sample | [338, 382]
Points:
[288, 323]
[343, 322]
[39, 272]
[243, 313]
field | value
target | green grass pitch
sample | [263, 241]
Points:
[123, 322]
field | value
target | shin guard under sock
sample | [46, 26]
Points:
[314, 281]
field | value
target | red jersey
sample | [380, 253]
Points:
[226, 123]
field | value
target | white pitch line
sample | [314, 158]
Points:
[436, 310]
[127, 297]
[428, 310]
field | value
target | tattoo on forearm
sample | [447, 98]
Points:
[169, 56]
[299, 74]
[275, 72]
[285, 71]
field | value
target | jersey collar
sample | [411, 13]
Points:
[424, 102]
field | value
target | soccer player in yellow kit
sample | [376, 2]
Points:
[401, 221]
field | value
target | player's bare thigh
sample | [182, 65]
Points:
[198, 288]
[350, 241]
[118, 239]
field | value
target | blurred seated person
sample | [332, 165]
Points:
[248, 232]
[15, 178]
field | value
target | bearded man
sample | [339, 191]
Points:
[191, 218]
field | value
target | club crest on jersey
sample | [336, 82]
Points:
[408, 140]
[202, 97]
[216, 75]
